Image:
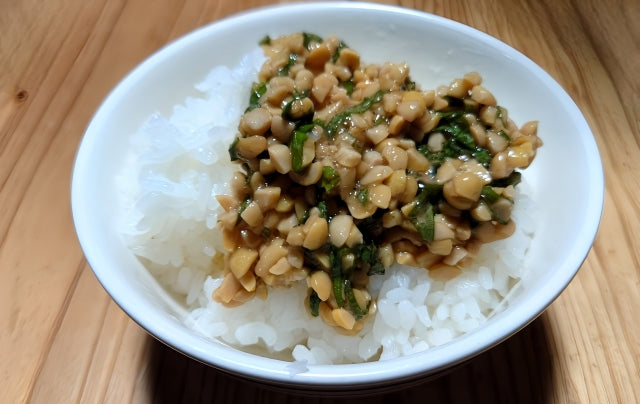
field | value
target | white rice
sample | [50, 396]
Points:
[176, 167]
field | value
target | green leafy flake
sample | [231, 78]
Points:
[504, 135]
[368, 253]
[257, 91]
[336, 54]
[309, 39]
[501, 115]
[330, 178]
[363, 196]
[266, 40]
[409, 85]
[349, 86]
[243, 206]
[513, 179]
[338, 119]
[305, 216]
[358, 312]
[233, 153]
[306, 118]
[482, 156]
[284, 70]
[338, 289]
[314, 303]
[489, 195]
[296, 145]
[422, 216]
[324, 212]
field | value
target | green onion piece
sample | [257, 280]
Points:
[314, 304]
[339, 118]
[330, 178]
[357, 311]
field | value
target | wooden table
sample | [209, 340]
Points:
[63, 340]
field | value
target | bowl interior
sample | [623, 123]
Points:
[565, 179]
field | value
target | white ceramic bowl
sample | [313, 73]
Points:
[566, 178]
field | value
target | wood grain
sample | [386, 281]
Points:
[63, 340]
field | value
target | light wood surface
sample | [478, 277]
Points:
[63, 340]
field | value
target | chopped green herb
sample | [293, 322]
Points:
[241, 209]
[304, 217]
[266, 232]
[349, 85]
[422, 216]
[501, 115]
[336, 54]
[303, 118]
[357, 311]
[257, 91]
[314, 303]
[233, 153]
[284, 70]
[409, 85]
[296, 146]
[309, 39]
[363, 196]
[459, 141]
[482, 156]
[322, 207]
[504, 135]
[338, 284]
[266, 40]
[489, 195]
[335, 258]
[330, 178]
[368, 253]
[380, 120]
[455, 102]
[339, 118]
[513, 179]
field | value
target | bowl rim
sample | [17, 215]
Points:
[335, 376]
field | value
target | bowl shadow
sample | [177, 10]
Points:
[519, 370]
